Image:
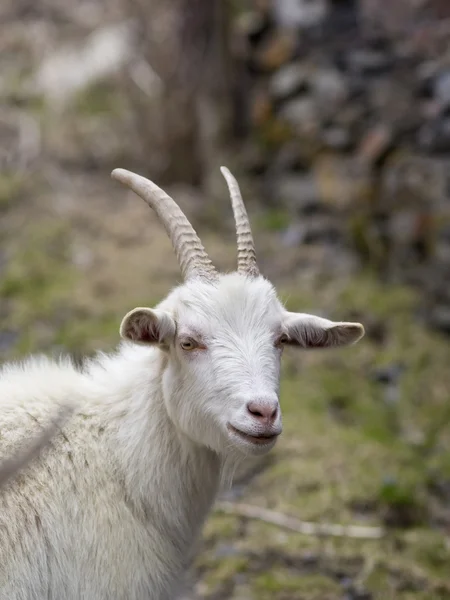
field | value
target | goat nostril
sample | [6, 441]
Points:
[262, 411]
[253, 410]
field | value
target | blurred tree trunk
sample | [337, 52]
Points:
[186, 43]
[181, 136]
[205, 71]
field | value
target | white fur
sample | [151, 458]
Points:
[113, 507]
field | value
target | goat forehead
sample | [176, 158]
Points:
[233, 301]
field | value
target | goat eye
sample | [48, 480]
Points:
[283, 339]
[189, 344]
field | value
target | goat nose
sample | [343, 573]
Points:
[263, 410]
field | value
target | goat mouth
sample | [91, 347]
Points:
[261, 440]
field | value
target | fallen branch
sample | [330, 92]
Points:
[304, 527]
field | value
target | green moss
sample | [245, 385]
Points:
[89, 334]
[283, 584]
[349, 453]
[36, 286]
[219, 570]
[11, 187]
[37, 273]
[220, 528]
[98, 99]
[273, 220]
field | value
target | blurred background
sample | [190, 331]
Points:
[335, 117]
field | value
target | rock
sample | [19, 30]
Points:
[406, 227]
[357, 124]
[369, 62]
[7, 340]
[342, 182]
[276, 133]
[274, 51]
[254, 25]
[435, 135]
[402, 14]
[288, 81]
[391, 102]
[320, 229]
[254, 158]
[71, 68]
[21, 141]
[439, 318]
[338, 259]
[442, 8]
[388, 375]
[82, 257]
[297, 192]
[225, 550]
[354, 593]
[301, 114]
[293, 236]
[375, 143]
[351, 115]
[425, 75]
[411, 180]
[260, 108]
[290, 157]
[435, 284]
[299, 14]
[337, 138]
[442, 245]
[429, 110]
[329, 88]
[343, 17]
[442, 252]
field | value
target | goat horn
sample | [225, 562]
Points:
[245, 245]
[191, 255]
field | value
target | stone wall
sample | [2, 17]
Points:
[348, 127]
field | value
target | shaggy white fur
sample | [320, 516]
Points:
[112, 508]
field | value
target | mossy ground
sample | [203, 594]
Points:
[356, 449]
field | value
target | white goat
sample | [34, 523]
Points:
[112, 507]
[10, 466]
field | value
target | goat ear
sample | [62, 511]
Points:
[308, 331]
[148, 326]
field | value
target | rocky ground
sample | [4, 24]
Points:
[366, 440]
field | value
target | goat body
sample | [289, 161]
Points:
[11, 465]
[112, 507]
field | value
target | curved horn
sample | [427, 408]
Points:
[191, 255]
[245, 246]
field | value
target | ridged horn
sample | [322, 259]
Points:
[246, 254]
[191, 255]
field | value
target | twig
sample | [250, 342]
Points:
[304, 527]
